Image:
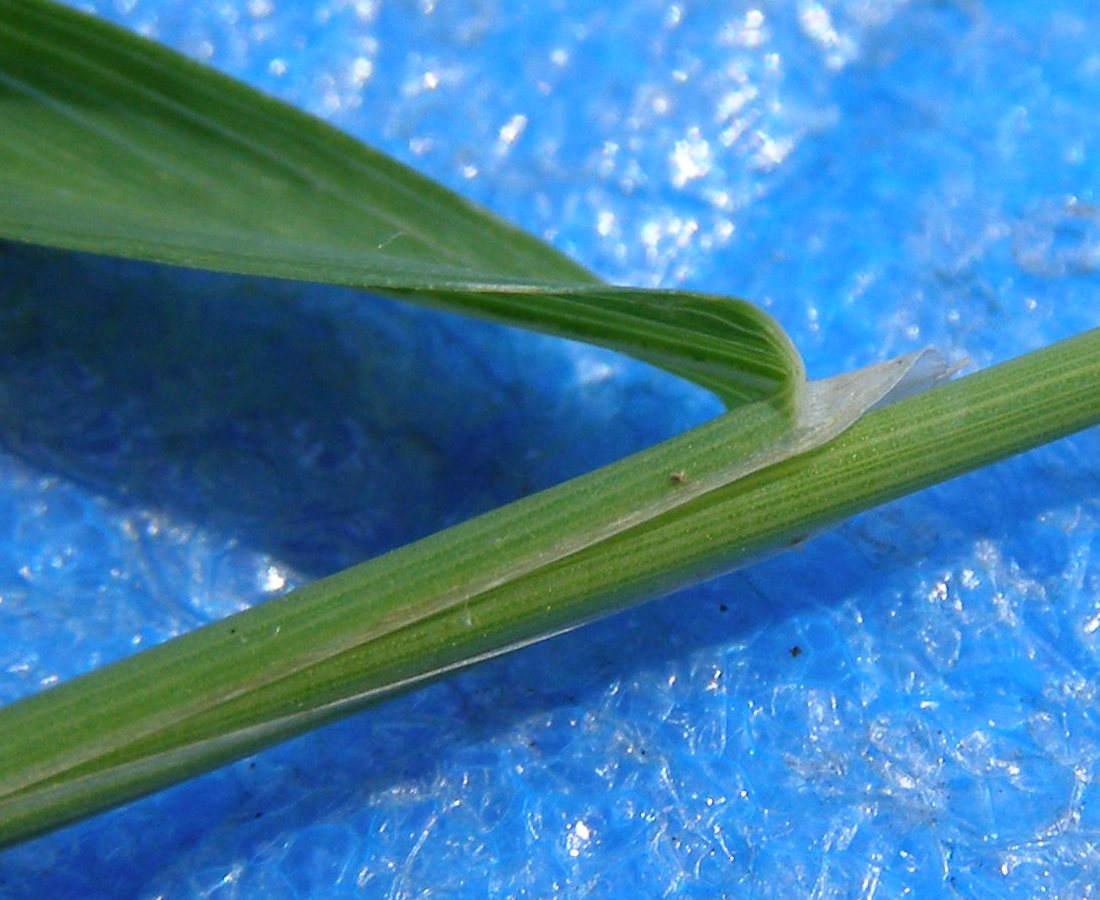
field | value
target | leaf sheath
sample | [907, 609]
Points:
[350, 640]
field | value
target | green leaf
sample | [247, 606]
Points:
[112, 144]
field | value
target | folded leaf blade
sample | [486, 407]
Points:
[112, 144]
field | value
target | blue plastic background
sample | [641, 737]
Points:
[883, 176]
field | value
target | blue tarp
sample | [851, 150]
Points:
[907, 703]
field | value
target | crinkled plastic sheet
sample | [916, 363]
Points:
[905, 703]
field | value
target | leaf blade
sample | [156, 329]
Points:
[112, 144]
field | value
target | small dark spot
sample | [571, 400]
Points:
[232, 630]
[723, 608]
[795, 651]
[678, 477]
[258, 815]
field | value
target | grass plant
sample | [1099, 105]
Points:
[111, 144]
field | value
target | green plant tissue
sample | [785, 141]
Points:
[905, 704]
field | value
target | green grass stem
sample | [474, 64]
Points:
[501, 581]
